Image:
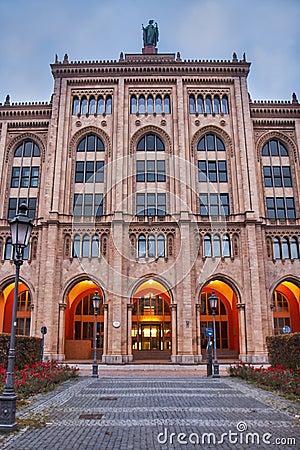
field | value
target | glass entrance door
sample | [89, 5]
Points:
[151, 337]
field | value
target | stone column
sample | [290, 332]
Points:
[61, 332]
[198, 330]
[173, 308]
[129, 338]
[242, 332]
[105, 308]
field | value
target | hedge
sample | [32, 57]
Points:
[27, 350]
[284, 350]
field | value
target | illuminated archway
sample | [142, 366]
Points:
[227, 327]
[151, 321]
[23, 309]
[286, 307]
[79, 321]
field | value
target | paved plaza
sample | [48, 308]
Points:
[156, 408]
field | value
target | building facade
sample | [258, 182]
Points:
[152, 180]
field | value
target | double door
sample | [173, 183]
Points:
[151, 337]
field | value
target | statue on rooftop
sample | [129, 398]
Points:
[150, 34]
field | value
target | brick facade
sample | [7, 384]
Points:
[245, 278]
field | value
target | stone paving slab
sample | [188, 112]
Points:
[158, 412]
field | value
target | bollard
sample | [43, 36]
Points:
[43, 331]
[209, 357]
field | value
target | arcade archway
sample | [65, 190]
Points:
[151, 322]
[79, 322]
[286, 307]
[24, 309]
[227, 327]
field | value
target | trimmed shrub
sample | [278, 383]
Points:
[284, 350]
[27, 350]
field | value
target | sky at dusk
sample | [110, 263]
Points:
[33, 31]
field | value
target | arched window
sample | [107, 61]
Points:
[161, 246]
[226, 246]
[277, 248]
[281, 312]
[76, 246]
[75, 108]
[1, 248]
[23, 313]
[158, 104]
[207, 246]
[151, 246]
[92, 105]
[142, 246]
[192, 104]
[211, 142]
[95, 246]
[167, 104]
[217, 105]
[25, 177]
[85, 246]
[200, 104]
[84, 320]
[100, 105]
[150, 304]
[221, 321]
[294, 248]
[225, 108]
[212, 168]
[280, 201]
[108, 105]
[208, 104]
[150, 104]
[90, 143]
[150, 142]
[28, 149]
[217, 246]
[84, 105]
[274, 148]
[8, 249]
[142, 105]
[285, 248]
[133, 104]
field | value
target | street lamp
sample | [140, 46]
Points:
[213, 302]
[96, 306]
[20, 229]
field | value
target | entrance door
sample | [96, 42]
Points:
[151, 337]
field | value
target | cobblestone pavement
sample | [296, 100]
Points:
[140, 410]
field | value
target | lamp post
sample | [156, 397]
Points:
[213, 301]
[96, 306]
[20, 229]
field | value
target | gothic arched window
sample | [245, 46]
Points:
[76, 246]
[142, 246]
[161, 246]
[294, 248]
[207, 246]
[277, 248]
[95, 246]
